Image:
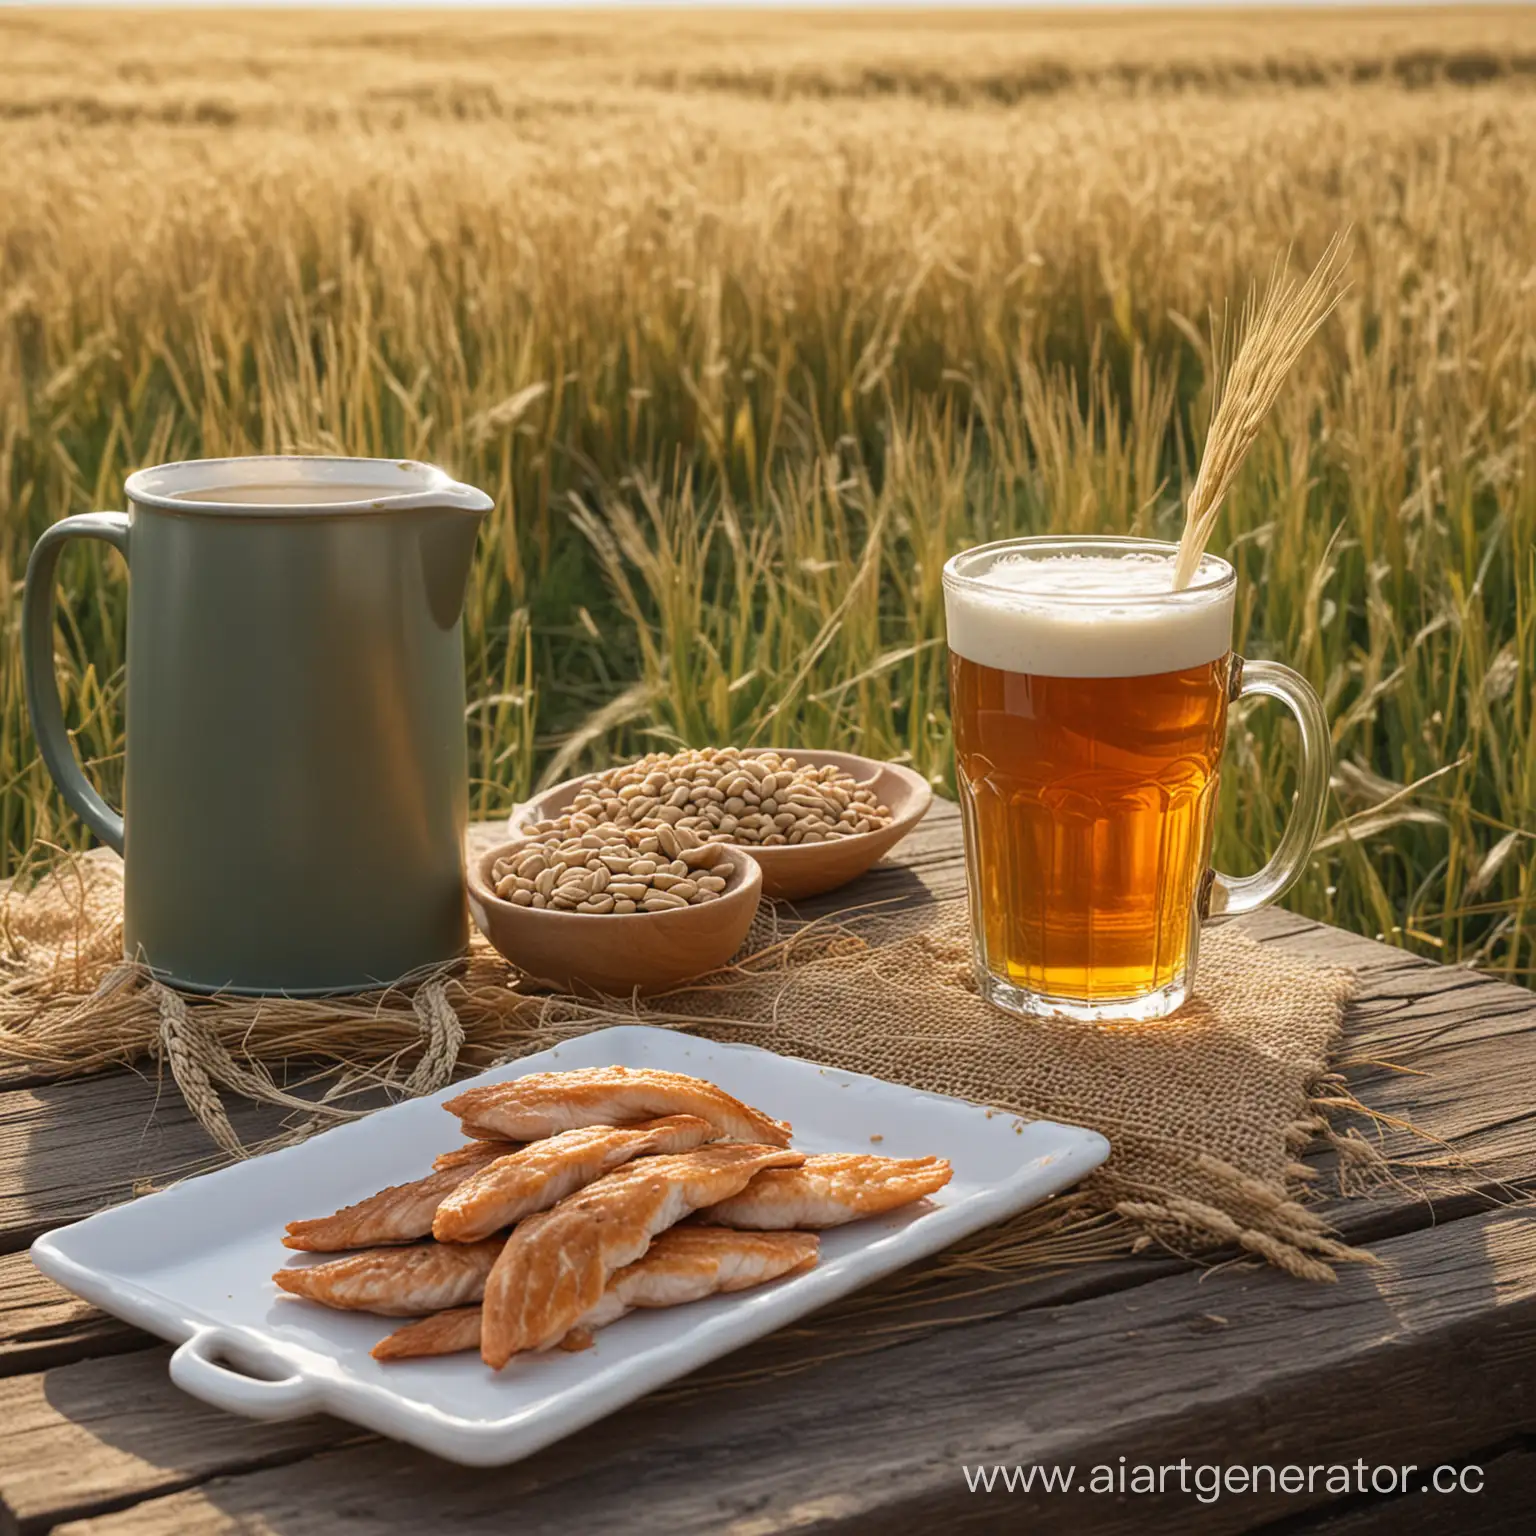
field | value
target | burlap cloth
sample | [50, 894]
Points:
[1205, 1113]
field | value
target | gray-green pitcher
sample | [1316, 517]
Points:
[295, 789]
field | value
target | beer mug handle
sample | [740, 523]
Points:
[1225, 896]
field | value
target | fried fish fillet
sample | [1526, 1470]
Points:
[545, 1172]
[545, 1103]
[829, 1189]
[556, 1264]
[474, 1153]
[445, 1333]
[683, 1264]
[401, 1214]
[397, 1282]
[689, 1263]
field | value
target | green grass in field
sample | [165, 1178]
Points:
[742, 373]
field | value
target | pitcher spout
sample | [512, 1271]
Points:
[449, 530]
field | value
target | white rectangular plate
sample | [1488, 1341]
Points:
[194, 1263]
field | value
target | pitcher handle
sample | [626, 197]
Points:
[1227, 896]
[37, 662]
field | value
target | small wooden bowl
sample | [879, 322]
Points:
[800, 870]
[615, 953]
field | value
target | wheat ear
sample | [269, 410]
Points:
[1273, 333]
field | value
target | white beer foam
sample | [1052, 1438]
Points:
[1026, 613]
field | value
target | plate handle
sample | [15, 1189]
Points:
[196, 1368]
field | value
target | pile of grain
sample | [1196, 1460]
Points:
[608, 869]
[724, 795]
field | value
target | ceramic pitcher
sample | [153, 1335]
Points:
[295, 789]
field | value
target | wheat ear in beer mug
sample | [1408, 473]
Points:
[1089, 684]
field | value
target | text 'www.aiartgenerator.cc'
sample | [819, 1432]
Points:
[1207, 1483]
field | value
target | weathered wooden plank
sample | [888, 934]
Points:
[67, 1149]
[1502, 1508]
[1421, 1360]
[1446, 1031]
[1462, 1101]
[94, 1436]
[42, 1325]
[891, 886]
[1445, 1008]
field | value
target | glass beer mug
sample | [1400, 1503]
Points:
[1090, 710]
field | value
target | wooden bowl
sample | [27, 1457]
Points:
[800, 870]
[618, 953]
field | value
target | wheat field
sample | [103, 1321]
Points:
[748, 321]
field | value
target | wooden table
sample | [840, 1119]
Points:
[1425, 1359]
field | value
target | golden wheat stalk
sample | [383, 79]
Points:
[1273, 334]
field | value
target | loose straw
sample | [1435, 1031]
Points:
[1274, 333]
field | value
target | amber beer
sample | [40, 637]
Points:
[1088, 803]
[1090, 707]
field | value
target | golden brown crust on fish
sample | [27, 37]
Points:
[475, 1152]
[401, 1214]
[556, 1264]
[545, 1172]
[545, 1103]
[397, 1282]
[683, 1264]
[446, 1333]
[831, 1188]
[688, 1263]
